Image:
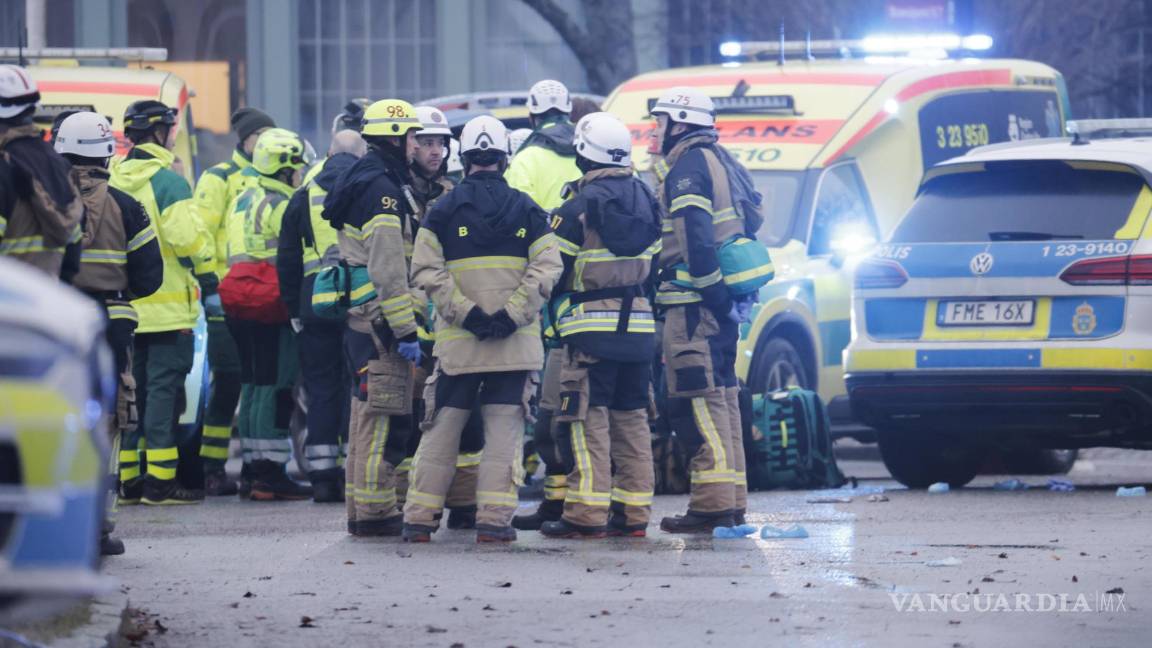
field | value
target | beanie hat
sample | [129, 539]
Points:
[249, 120]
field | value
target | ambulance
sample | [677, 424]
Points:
[106, 81]
[837, 148]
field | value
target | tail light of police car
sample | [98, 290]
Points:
[874, 274]
[1110, 271]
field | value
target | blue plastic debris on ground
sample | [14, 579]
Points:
[1135, 491]
[1010, 485]
[770, 532]
[939, 487]
[1061, 485]
[730, 533]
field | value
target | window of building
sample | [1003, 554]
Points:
[360, 48]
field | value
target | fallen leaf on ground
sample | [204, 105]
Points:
[306, 622]
[1115, 590]
[435, 630]
[249, 595]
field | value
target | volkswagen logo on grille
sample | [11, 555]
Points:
[981, 264]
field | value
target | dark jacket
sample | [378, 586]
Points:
[608, 234]
[376, 228]
[296, 234]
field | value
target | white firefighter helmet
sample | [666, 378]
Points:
[549, 94]
[433, 121]
[18, 91]
[687, 106]
[484, 133]
[454, 163]
[604, 139]
[86, 134]
[517, 138]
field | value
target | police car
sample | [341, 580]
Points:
[1009, 308]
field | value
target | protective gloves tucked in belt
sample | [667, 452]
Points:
[478, 323]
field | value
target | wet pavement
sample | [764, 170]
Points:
[232, 573]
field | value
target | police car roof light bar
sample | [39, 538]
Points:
[1085, 130]
[134, 54]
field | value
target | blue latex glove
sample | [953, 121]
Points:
[212, 306]
[411, 351]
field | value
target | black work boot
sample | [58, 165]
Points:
[696, 522]
[217, 484]
[110, 545]
[418, 533]
[618, 527]
[486, 533]
[131, 491]
[738, 517]
[327, 491]
[548, 511]
[168, 492]
[244, 490]
[388, 527]
[564, 529]
[271, 483]
[462, 517]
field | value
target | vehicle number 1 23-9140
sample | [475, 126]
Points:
[1086, 249]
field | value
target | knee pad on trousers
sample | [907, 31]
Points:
[563, 439]
[683, 424]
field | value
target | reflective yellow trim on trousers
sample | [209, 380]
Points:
[583, 459]
[427, 500]
[163, 454]
[218, 431]
[589, 498]
[122, 312]
[405, 465]
[708, 430]
[468, 459]
[493, 498]
[376, 449]
[128, 456]
[632, 498]
[374, 497]
[555, 487]
[128, 473]
[677, 297]
[160, 472]
[213, 452]
[713, 477]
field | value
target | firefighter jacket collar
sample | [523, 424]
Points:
[706, 137]
[596, 174]
[497, 210]
[555, 136]
[351, 184]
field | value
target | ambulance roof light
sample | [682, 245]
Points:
[141, 54]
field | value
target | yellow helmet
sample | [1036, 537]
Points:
[278, 149]
[390, 118]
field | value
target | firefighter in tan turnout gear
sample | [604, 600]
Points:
[374, 220]
[488, 260]
[120, 262]
[701, 322]
[607, 233]
[430, 184]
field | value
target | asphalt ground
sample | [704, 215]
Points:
[232, 573]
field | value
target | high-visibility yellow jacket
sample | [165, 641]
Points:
[544, 165]
[218, 186]
[255, 221]
[186, 247]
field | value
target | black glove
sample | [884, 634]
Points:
[478, 323]
[502, 325]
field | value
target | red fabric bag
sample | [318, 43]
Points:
[251, 291]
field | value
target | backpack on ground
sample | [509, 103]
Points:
[788, 442]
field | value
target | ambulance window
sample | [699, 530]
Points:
[842, 212]
[778, 192]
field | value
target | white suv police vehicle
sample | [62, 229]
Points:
[1011, 308]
